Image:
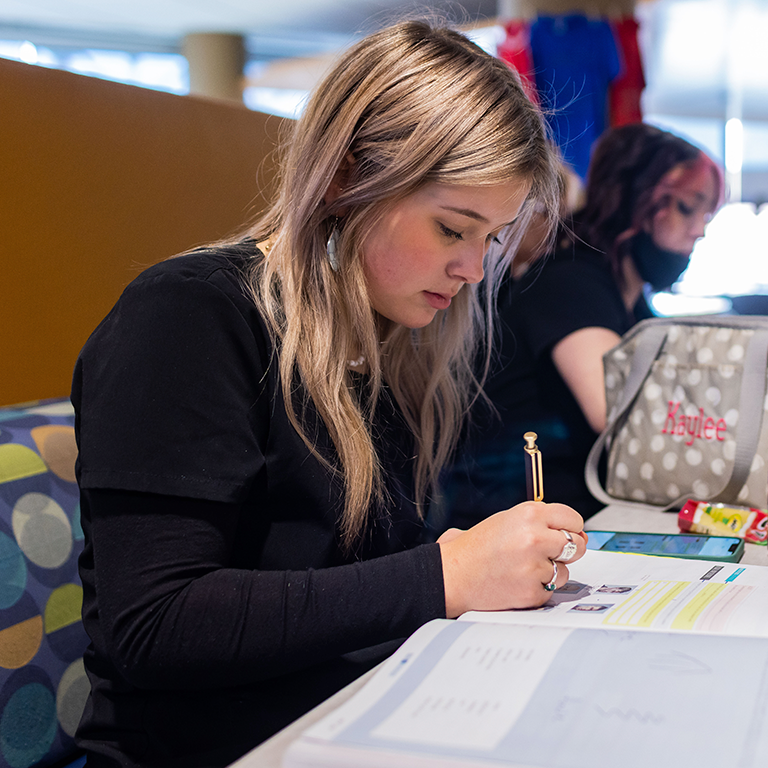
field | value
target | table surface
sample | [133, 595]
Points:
[624, 518]
[614, 518]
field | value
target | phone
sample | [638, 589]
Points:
[725, 548]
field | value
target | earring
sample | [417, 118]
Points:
[332, 247]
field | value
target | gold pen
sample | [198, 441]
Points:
[534, 478]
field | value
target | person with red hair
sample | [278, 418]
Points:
[648, 197]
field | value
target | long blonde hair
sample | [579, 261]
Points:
[410, 104]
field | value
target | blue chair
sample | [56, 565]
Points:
[43, 686]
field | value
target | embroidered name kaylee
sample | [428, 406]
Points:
[694, 426]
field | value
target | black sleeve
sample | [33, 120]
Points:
[170, 389]
[565, 296]
[178, 418]
[172, 615]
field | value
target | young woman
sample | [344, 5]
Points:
[262, 423]
[649, 194]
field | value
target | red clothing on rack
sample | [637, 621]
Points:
[625, 92]
[515, 50]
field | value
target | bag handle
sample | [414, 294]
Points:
[751, 406]
[751, 401]
[642, 361]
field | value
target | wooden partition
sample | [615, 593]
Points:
[97, 181]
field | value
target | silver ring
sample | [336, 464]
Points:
[569, 550]
[551, 587]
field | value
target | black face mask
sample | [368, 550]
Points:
[656, 266]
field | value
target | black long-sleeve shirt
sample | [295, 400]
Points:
[217, 597]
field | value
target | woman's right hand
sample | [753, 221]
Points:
[504, 561]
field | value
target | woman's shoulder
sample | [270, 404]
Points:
[225, 264]
[574, 288]
[570, 267]
[575, 256]
[185, 299]
[214, 278]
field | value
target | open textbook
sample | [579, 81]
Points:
[639, 662]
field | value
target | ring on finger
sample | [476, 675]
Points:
[569, 549]
[551, 587]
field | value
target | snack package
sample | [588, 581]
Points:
[747, 523]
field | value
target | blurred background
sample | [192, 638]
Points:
[704, 65]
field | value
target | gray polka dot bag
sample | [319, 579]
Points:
[686, 404]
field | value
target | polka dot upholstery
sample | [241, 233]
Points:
[43, 686]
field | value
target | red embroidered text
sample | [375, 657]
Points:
[697, 426]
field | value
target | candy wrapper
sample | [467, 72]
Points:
[747, 523]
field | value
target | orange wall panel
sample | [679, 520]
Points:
[97, 181]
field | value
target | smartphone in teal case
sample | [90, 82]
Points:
[727, 549]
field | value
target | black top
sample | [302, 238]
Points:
[572, 289]
[219, 602]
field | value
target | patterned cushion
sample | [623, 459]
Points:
[43, 686]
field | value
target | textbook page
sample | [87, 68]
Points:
[616, 590]
[480, 694]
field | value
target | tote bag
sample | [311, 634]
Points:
[686, 402]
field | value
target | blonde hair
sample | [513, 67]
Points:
[406, 106]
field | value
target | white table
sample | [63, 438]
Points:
[620, 518]
[614, 518]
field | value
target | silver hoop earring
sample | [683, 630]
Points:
[332, 249]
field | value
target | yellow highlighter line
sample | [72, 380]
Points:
[687, 618]
[644, 607]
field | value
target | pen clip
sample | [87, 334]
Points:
[536, 475]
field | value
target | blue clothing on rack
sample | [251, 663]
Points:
[574, 59]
